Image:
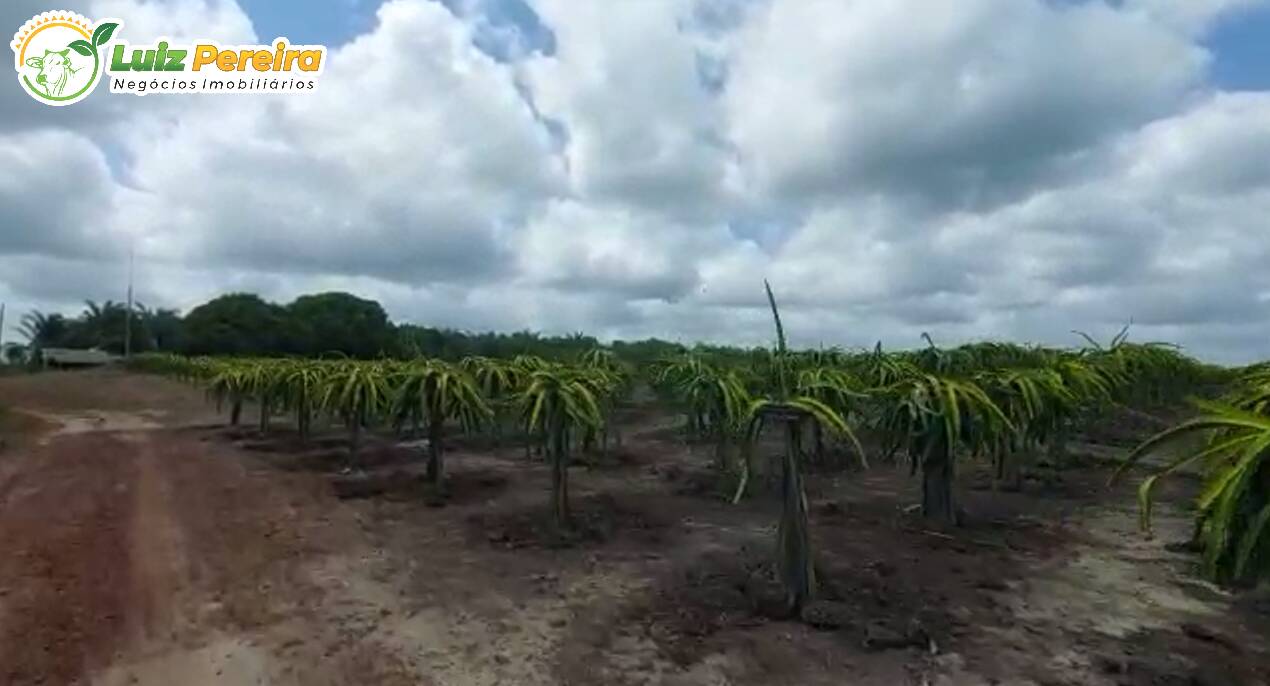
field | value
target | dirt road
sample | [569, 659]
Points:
[147, 545]
[154, 557]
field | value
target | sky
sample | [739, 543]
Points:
[974, 169]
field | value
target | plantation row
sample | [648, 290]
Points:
[1001, 402]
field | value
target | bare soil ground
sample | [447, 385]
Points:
[144, 543]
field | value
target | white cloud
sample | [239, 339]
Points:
[408, 163]
[987, 168]
[1191, 16]
[956, 102]
[615, 250]
[641, 126]
[147, 20]
[57, 193]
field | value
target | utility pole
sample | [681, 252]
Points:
[127, 321]
[2, 350]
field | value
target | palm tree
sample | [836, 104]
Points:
[558, 401]
[102, 325]
[439, 391]
[163, 326]
[40, 330]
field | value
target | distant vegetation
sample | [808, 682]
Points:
[324, 324]
[97, 326]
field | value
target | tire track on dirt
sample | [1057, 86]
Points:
[157, 549]
[225, 554]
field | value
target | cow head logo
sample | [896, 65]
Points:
[60, 56]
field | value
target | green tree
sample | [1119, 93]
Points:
[237, 324]
[42, 330]
[343, 323]
[104, 325]
[14, 353]
[163, 328]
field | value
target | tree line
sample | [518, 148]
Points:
[332, 324]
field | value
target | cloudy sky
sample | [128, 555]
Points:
[971, 168]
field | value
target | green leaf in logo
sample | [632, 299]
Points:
[82, 47]
[103, 33]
